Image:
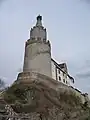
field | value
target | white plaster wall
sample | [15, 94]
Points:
[53, 70]
[61, 74]
[68, 81]
[64, 76]
[38, 58]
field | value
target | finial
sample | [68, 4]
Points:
[39, 20]
[39, 17]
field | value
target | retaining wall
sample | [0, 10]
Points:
[28, 77]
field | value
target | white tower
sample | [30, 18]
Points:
[38, 50]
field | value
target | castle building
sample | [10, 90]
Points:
[38, 56]
[60, 73]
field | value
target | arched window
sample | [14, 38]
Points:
[64, 80]
[59, 78]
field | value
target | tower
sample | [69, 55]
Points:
[38, 50]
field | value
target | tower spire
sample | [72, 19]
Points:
[38, 32]
[39, 20]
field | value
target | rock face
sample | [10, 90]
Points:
[40, 102]
[37, 97]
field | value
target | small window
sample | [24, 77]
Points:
[33, 38]
[64, 80]
[66, 76]
[38, 38]
[63, 73]
[44, 40]
[59, 78]
[58, 71]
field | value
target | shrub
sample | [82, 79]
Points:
[70, 98]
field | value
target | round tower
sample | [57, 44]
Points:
[38, 50]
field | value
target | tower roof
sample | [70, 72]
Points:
[39, 17]
[39, 20]
[38, 32]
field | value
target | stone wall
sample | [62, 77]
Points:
[28, 77]
[38, 57]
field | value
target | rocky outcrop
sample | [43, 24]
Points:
[39, 102]
[37, 97]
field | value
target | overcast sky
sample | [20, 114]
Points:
[68, 27]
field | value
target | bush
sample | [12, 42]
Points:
[70, 98]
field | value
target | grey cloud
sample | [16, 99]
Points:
[84, 71]
[87, 1]
[2, 1]
[83, 75]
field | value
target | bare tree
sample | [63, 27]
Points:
[2, 84]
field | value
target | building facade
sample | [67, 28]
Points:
[60, 73]
[38, 56]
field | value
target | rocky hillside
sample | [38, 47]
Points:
[40, 102]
